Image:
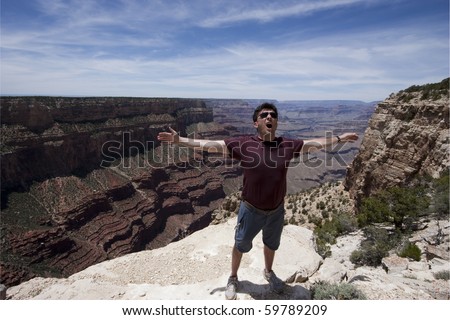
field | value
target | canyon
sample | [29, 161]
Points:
[84, 179]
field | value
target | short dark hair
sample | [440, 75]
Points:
[265, 105]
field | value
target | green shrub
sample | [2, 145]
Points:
[375, 247]
[368, 255]
[345, 222]
[321, 205]
[440, 199]
[442, 275]
[326, 233]
[411, 250]
[373, 210]
[323, 248]
[317, 221]
[323, 290]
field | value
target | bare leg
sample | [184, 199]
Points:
[269, 256]
[276, 284]
[236, 257]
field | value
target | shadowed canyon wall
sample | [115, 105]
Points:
[84, 180]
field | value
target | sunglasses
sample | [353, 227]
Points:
[264, 115]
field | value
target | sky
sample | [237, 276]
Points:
[228, 49]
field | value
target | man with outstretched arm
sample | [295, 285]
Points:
[265, 159]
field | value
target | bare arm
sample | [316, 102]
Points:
[213, 146]
[320, 143]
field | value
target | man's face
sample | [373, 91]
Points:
[266, 124]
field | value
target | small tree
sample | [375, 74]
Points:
[375, 247]
[373, 210]
[394, 205]
[405, 202]
[441, 195]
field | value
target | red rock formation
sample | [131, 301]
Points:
[407, 137]
[44, 136]
[68, 203]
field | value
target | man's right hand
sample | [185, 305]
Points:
[171, 137]
[213, 146]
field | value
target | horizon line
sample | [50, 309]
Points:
[3, 95]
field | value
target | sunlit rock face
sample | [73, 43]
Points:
[407, 136]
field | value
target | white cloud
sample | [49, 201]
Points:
[241, 11]
[121, 50]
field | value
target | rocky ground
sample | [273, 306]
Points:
[197, 267]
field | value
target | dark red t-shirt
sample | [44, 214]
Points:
[265, 167]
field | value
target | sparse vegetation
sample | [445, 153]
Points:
[390, 216]
[431, 91]
[375, 247]
[326, 234]
[410, 250]
[440, 201]
[386, 218]
[442, 275]
[323, 290]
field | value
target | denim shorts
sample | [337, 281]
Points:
[251, 221]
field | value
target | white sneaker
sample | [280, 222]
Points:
[232, 285]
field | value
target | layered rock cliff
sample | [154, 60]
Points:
[407, 137]
[84, 180]
[45, 136]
